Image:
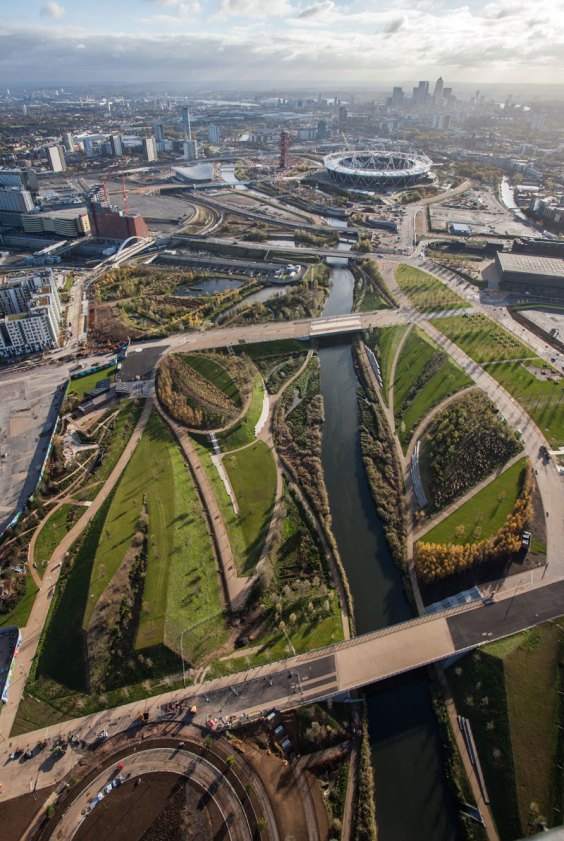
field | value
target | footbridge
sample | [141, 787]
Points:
[333, 671]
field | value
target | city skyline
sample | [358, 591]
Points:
[283, 41]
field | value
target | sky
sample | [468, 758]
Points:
[298, 42]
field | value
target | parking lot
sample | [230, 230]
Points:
[28, 410]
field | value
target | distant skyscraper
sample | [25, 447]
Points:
[343, 114]
[150, 148]
[190, 148]
[158, 128]
[214, 134]
[438, 92]
[321, 130]
[68, 140]
[117, 145]
[185, 113]
[56, 158]
[422, 92]
[24, 110]
[397, 96]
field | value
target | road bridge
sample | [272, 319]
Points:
[333, 671]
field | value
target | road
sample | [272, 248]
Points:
[202, 775]
[306, 678]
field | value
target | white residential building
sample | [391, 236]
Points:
[31, 314]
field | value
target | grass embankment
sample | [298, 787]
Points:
[515, 367]
[181, 590]
[509, 692]
[20, 614]
[216, 374]
[276, 361]
[178, 547]
[252, 473]
[424, 376]
[426, 292]
[244, 432]
[486, 511]
[482, 339]
[82, 385]
[52, 532]
[384, 341]
[299, 604]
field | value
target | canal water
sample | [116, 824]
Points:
[412, 798]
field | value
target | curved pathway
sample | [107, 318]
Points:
[550, 484]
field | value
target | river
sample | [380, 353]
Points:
[412, 797]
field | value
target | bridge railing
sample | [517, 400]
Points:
[390, 629]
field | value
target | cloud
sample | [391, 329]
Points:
[52, 9]
[396, 25]
[317, 9]
[80, 46]
[254, 8]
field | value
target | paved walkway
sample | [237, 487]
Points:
[304, 679]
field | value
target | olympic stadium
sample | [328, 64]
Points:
[377, 170]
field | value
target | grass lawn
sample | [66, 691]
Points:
[387, 339]
[185, 590]
[216, 374]
[20, 614]
[244, 433]
[252, 473]
[425, 291]
[372, 300]
[482, 339]
[542, 400]
[83, 385]
[508, 690]
[486, 510]
[279, 347]
[52, 532]
[232, 522]
[415, 392]
[181, 572]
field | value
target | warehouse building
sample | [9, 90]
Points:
[541, 277]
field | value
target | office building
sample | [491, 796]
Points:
[15, 200]
[150, 149]
[56, 158]
[23, 179]
[71, 222]
[185, 116]
[190, 150]
[214, 134]
[31, 315]
[158, 128]
[68, 141]
[397, 96]
[531, 275]
[116, 145]
[110, 223]
[438, 92]
[420, 93]
[343, 114]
